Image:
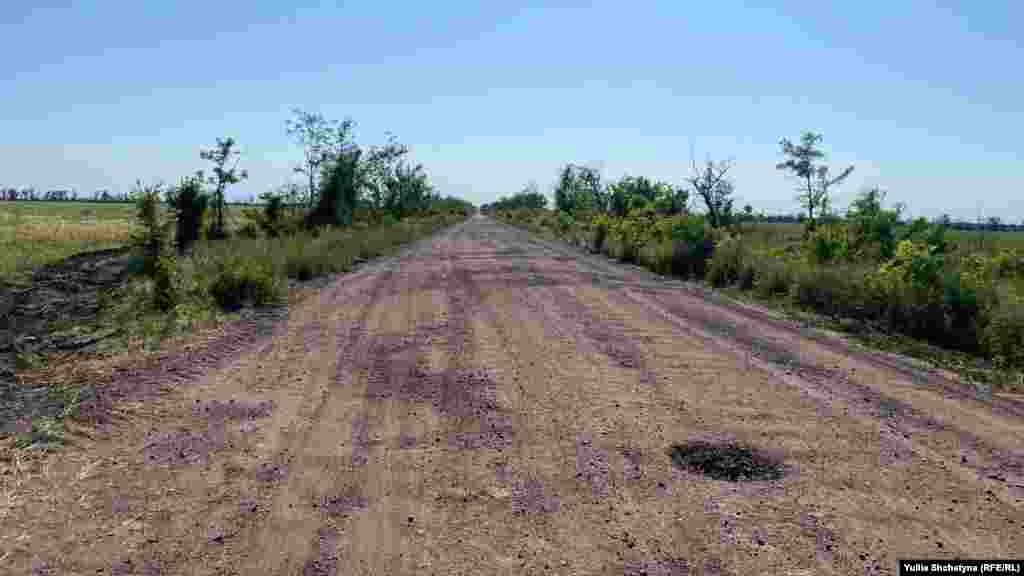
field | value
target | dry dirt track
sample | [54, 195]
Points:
[490, 404]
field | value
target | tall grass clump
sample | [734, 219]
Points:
[731, 265]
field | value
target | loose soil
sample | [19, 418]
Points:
[489, 403]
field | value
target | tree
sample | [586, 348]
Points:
[671, 200]
[320, 139]
[339, 193]
[872, 226]
[189, 201]
[379, 167]
[802, 161]
[579, 188]
[223, 154]
[712, 186]
[409, 191]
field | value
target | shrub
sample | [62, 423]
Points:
[1003, 337]
[773, 277]
[827, 244]
[151, 239]
[190, 204]
[242, 280]
[250, 230]
[273, 215]
[834, 291]
[692, 246]
[964, 304]
[730, 263]
[165, 293]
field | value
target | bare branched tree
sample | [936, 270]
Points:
[711, 184]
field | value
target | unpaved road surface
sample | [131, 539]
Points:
[486, 403]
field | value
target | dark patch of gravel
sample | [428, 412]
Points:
[270, 472]
[130, 568]
[633, 457]
[182, 446]
[342, 504]
[360, 440]
[325, 560]
[406, 440]
[529, 496]
[825, 539]
[592, 464]
[248, 505]
[729, 462]
[233, 409]
[669, 567]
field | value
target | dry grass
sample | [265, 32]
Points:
[33, 234]
[36, 233]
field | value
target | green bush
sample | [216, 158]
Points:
[190, 204]
[731, 264]
[599, 233]
[965, 304]
[834, 291]
[827, 244]
[242, 280]
[1003, 337]
[165, 290]
[773, 277]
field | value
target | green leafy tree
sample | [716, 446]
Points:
[578, 189]
[671, 200]
[189, 202]
[871, 226]
[379, 167]
[803, 163]
[224, 157]
[409, 191]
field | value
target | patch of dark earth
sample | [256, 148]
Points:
[728, 462]
[65, 293]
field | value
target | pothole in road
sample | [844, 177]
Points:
[730, 462]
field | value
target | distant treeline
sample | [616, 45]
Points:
[102, 196]
[33, 195]
[992, 224]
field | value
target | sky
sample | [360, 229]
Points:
[925, 99]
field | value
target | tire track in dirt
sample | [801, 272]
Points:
[309, 463]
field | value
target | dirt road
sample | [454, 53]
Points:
[487, 403]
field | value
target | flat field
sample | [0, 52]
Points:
[33, 234]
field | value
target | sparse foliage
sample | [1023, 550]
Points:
[802, 161]
[224, 157]
[711, 184]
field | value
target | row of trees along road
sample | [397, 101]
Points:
[579, 188]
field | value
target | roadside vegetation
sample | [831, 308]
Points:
[917, 286]
[187, 258]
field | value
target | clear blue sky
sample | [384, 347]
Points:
[925, 98]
